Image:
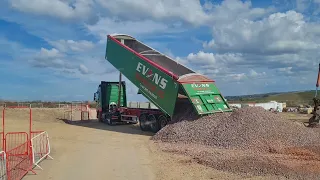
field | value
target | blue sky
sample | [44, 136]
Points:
[54, 49]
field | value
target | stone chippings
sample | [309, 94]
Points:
[249, 141]
[247, 128]
[248, 163]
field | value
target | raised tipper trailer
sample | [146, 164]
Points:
[163, 81]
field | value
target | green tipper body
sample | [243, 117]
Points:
[154, 84]
[206, 98]
[162, 80]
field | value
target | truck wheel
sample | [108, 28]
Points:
[154, 125]
[163, 121]
[99, 115]
[142, 122]
[109, 120]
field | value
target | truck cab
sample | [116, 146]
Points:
[109, 97]
[112, 108]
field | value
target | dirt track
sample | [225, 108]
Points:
[96, 152]
[93, 150]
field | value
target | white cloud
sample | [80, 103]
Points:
[54, 59]
[212, 59]
[231, 10]
[237, 77]
[214, 65]
[71, 45]
[279, 33]
[83, 69]
[279, 40]
[222, 67]
[254, 74]
[285, 70]
[202, 58]
[49, 54]
[55, 8]
[186, 10]
[107, 26]
[48, 58]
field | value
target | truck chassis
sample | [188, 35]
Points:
[149, 119]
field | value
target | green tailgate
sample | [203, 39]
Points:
[154, 84]
[206, 98]
[112, 94]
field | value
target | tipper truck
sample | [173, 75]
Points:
[163, 81]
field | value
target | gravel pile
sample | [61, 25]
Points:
[296, 166]
[184, 111]
[247, 128]
[250, 141]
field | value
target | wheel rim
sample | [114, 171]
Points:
[163, 121]
[143, 119]
[153, 121]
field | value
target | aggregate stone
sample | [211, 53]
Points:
[247, 128]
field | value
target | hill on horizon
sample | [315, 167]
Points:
[293, 98]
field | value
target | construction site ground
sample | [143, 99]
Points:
[92, 150]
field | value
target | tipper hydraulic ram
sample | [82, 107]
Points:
[163, 81]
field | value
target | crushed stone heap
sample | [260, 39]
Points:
[247, 128]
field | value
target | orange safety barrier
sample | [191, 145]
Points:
[17, 149]
[19, 161]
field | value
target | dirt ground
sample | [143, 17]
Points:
[92, 150]
[295, 116]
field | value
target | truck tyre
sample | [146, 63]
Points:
[154, 124]
[142, 122]
[99, 115]
[109, 120]
[163, 121]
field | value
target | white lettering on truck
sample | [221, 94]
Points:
[156, 78]
[200, 85]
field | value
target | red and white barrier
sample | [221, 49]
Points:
[22, 151]
[3, 170]
[85, 115]
[40, 148]
[35, 133]
[1, 141]
[77, 111]
[14, 139]
[18, 162]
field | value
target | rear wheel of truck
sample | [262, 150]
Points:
[163, 121]
[143, 122]
[154, 125]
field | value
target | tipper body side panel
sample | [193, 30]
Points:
[155, 84]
